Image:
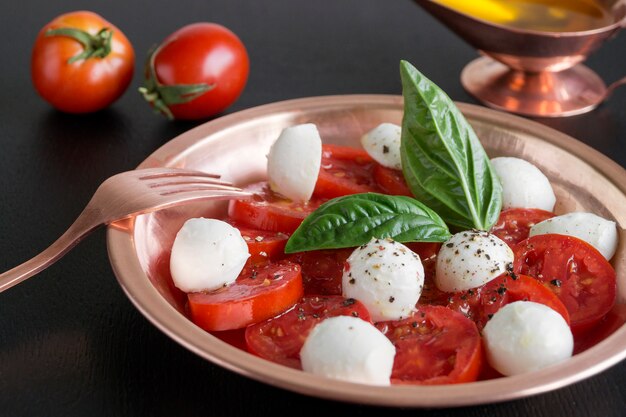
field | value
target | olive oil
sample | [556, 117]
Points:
[540, 15]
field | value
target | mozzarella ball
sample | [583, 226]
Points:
[293, 163]
[525, 336]
[470, 259]
[207, 254]
[386, 276]
[348, 348]
[523, 184]
[598, 232]
[383, 144]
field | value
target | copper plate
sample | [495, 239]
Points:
[235, 146]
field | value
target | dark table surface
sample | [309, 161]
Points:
[71, 343]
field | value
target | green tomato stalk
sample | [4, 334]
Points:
[161, 96]
[94, 46]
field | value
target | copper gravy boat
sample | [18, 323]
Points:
[530, 72]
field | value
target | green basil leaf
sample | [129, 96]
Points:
[353, 220]
[443, 161]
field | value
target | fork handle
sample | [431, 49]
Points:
[50, 255]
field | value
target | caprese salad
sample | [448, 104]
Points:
[414, 260]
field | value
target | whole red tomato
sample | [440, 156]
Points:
[81, 63]
[198, 71]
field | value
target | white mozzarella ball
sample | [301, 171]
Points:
[348, 348]
[525, 336]
[386, 276]
[598, 232]
[470, 259]
[523, 184]
[294, 161]
[207, 254]
[383, 144]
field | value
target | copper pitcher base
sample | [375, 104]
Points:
[570, 92]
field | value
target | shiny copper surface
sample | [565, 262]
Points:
[235, 146]
[573, 91]
[541, 73]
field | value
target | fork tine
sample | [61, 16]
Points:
[171, 181]
[173, 199]
[231, 191]
[178, 173]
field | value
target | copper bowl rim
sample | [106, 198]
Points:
[146, 298]
[617, 24]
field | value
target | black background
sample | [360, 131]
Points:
[71, 343]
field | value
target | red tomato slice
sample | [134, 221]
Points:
[344, 171]
[434, 346]
[467, 303]
[260, 292]
[262, 244]
[480, 304]
[280, 339]
[322, 270]
[431, 295]
[391, 181]
[235, 337]
[427, 251]
[507, 289]
[614, 320]
[269, 211]
[574, 270]
[514, 224]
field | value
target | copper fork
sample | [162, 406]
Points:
[126, 195]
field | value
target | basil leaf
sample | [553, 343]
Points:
[443, 161]
[353, 220]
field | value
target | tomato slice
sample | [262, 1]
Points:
[263, 245]
[480, 304]
[507, 289]
[322, 270]
[260, 292]
[391, 181]
[610, 323]
[427, 251]
[235, 337]
[431, 295]
[467, 303]
[514, 224]
[434, 346]
[344, 171]
[269, 211]
[574, 270]
[280, 339]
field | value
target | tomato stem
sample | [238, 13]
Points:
[95, 46]
[161, 96]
